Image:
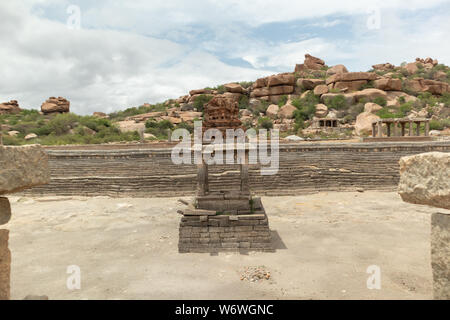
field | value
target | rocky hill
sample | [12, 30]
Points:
[313, 101]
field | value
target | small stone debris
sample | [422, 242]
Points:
[255, 274]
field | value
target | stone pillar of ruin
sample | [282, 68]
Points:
[5, 265]
[394, 129]
[388, 127]
[440, 255]
[245, 187]
[141, 135]
[5, 254]
[403, 128]
[374, 129]
[418, 128]
[202, 179]
[380, 129]
[427, 128]
[410, 128]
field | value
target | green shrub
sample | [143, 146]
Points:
[185, 125]
[369, 84]
[159, 129]
[282, 101]
[306, 107]
[243, 102]
[405, 108]
[259, 108]
[265, 123]
[445, 99]
[428, 98]
[337, 102]
[385, 114]
[246, 84]
[354, 111]
[165, 124]
[62, 123]
[380, 101]
[439, 124]
[201, 100]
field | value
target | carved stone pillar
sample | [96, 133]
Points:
[202, 179]
[245, 187]
[380, 129]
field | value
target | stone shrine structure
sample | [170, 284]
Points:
[398, 131]
[221, 113]
[224, 220]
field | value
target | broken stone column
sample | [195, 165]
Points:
[20, 168]
[5, 265]
[425, 179]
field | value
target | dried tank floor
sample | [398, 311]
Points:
[127, 249]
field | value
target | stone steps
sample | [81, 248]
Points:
[303, 169]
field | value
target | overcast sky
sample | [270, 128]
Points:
[110, 55]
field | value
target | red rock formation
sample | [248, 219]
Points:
[9, 107]
[55, 105]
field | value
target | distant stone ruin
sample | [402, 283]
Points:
[398, 130]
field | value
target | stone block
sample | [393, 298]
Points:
[5, 211]
[22, 168]
[425, 179]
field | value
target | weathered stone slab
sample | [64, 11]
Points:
[5, 265]
[5, 210]
[440, 255]
[425, 179]
[22, 168]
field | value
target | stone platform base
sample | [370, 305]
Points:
[398, 139]
[225, 232]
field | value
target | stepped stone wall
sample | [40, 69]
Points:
[304, 168]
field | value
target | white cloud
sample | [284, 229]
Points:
[99, 70]
[131, 52]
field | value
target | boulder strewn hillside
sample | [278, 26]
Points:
[293, 102]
